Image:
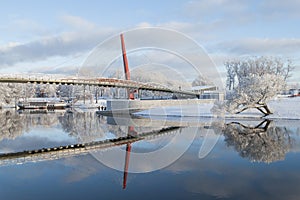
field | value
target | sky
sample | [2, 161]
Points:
[40, 36]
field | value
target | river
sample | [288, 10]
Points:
[166, 158]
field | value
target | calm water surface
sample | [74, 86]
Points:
[250, 160]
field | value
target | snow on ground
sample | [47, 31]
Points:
[183, 111]
[283, 108]
[87, 104]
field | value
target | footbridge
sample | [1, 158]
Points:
[131, 85]
[100, 82]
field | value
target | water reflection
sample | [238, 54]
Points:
[85, 126]
[263, 142]
[222, 174]
[11, 125]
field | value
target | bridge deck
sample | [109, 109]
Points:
[101, 82]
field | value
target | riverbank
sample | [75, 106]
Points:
[282, 108]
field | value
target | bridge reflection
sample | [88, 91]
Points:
[61, 152]
[90, 129]
[78, 149]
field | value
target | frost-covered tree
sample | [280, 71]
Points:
[255, 82]
[231, 68]
[166, 79]
[64, 90]
[46, 90]
[50, 89]
[28, 90]
[200, 81]
[9, 93]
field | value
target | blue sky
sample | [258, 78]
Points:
[37, 35]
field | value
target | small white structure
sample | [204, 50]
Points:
[42, 103]
[208, 92]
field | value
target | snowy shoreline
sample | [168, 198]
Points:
[282, 108]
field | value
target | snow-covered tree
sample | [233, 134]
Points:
[200, 81]
[64, 90]
[28, 90]
[172, 81]
[231, 68]
[50, 89]
[46, 90]
[9, 93]
[255, 82]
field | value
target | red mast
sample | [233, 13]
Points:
[125, 61]
[126, 68]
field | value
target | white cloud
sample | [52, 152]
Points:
[210, 19]
[259, 46]
[22, 29]
[280, 9]
[28, 25]
[144, 25]
[286, 48]
[64, 44]
[212, 5]
[199, 31]
[215, 9]
[9, 45]
[230, 13]
[78, 22]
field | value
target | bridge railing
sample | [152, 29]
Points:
[105, 82]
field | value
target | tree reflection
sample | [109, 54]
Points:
[14, 124]
[261, 143]
[11, 124]
[83, 125]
